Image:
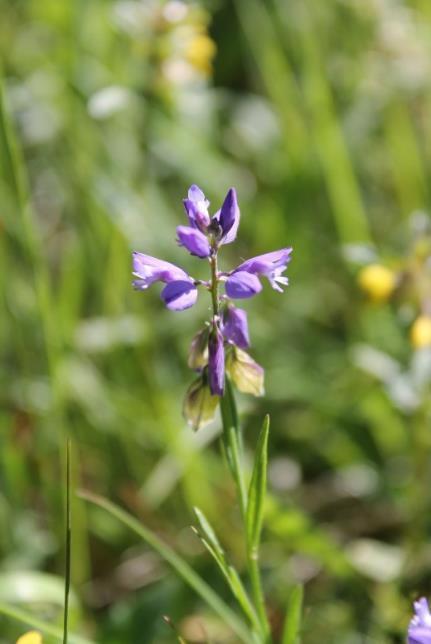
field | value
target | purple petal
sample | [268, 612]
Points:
[195, 241]
[419, 635]
[216, 362]
[229, 217]
[150, 269]
[195, 193]
[235, 327]
[196, 206]
[420, 626]
[241, 285]
[266, 263]
[179, 295]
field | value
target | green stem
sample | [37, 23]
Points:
[233, 447]
[214, 284]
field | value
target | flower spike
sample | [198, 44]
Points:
[219, 347]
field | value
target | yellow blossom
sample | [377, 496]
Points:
[200, 51]
[32, 637]
[420, 333]
[377, 281]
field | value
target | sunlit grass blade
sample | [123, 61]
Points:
[28, 619]
[176, 562]
[405, 158]
[277, 75]
[68, 544]
[257, 490]
[342, 185]
[292, 623]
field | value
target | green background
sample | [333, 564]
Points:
[318, 112]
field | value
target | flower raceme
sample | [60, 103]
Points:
[420, 626]
[219, 347]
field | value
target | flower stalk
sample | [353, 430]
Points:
[218, 355]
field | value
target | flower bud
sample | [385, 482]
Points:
[198, 354]
[199, 404]
[246, 374]
[420, 333]
[216, 361]
[377, 281]
[235, 327]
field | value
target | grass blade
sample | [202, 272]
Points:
[292, 622]
[177, 563]
[68, 545]
[28, 619]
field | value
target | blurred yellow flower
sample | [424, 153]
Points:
[420, 333]
[200, 52]
[377, 281]
[32, 637]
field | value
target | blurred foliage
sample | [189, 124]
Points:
[319, 113]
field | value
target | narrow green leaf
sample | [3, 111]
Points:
[232, 442]
[233, 579]
[208, 530]
[47, 629]
[292, 623]
[241, 595]
[176, 562]
[257, 490]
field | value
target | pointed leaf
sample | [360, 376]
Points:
[208, 531]
[292, 623]
[257, 490]
[212, 544]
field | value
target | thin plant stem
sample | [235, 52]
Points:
[214, 284]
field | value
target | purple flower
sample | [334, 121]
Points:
[179, 295]
[216, 362]
[180, 291]
[203, 238]
[243, 281]
[241, 285]
[196, 206]
[228, 217]
[420, 626]
[150, 269]
[235, 327]
[194, 240]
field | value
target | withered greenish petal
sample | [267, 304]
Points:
[246, 374]
[199, 406]
[198, 353]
